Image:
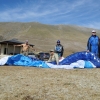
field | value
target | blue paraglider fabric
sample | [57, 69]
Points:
[87, 56]
[25, 61]
[89, 60]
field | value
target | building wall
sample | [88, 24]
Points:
[10, 49]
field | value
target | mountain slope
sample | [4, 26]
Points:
[44, 37]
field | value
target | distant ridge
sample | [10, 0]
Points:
[44, 37]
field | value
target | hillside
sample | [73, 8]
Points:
[44, 37]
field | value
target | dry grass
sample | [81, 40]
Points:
[30, 83]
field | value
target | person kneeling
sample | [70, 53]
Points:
[53, 57]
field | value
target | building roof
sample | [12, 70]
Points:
[13, 41]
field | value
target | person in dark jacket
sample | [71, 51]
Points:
[59, 49]
[93, 43]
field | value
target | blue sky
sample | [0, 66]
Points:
[70, 12]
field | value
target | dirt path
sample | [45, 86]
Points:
[30, 83]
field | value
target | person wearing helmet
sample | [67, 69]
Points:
[59, 49]
[93, 43]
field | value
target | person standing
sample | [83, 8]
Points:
[93, 43]
[25, 48]
[59, 49]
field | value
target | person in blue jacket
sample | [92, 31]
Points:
[93, 43]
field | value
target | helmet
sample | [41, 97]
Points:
[58, 41]
[93, 31]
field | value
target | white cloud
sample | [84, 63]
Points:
[80, 12]
[34, 10]
[95, 25]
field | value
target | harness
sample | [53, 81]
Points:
[59, 48]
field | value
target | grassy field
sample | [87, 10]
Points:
[30, 83]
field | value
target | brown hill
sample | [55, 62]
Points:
[44, 37]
